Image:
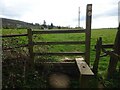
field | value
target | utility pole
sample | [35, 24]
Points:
[78, 17]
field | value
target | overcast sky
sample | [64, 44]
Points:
[61, 12]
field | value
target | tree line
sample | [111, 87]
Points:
[16, 24]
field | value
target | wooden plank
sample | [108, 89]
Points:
[30, 46]
[60, 53]
[107, 46]
[97, 57]
[62, 42]
[85, 73]
[57, 31]
[13, 35]
[88, 33]
[112, 54]
[84, 68]
[79, 59]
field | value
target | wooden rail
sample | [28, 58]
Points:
[58, 31]
[60, 53]
[56, 43]
[106, 45]
[111, 53]
[13, 35]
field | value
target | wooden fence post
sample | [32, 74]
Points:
[88, 33]
[98, 51]
[86, 73]
[113, 62]
[30, 46]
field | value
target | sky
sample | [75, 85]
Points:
[61, 12]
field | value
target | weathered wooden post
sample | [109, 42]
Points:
[86, 73]
[98, 51]
[30, 46]
[88, 33]
[113, 62]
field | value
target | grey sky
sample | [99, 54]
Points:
[61, 12]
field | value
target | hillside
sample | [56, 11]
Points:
[17, 24]
[10, 23]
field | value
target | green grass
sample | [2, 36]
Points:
[13, 31]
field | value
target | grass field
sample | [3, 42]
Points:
[108, 37]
